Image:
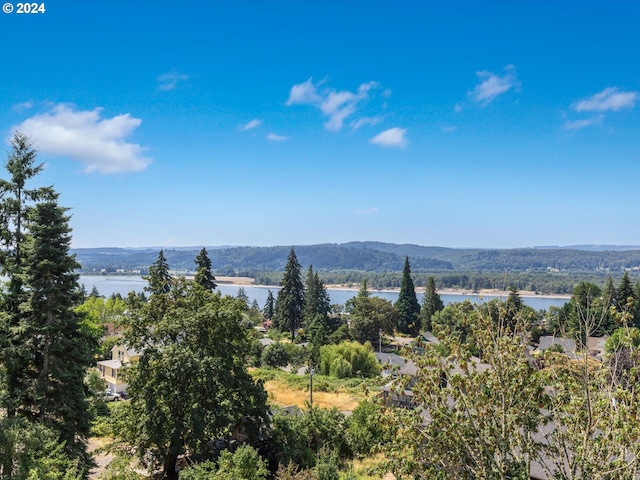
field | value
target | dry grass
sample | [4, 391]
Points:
[283, 395]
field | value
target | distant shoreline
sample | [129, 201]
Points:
[248, 281]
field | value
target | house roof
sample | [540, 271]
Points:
[567, 344]
[111, 363]
[390, 359]
[266, 342]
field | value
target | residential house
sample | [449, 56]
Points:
[111, 370]
[567, 345]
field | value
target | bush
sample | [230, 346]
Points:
[275, 356]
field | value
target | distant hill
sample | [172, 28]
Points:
[370, 257]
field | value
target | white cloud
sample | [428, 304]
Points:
[304, 94]
[580, 124]
[337, 105]
[169, 81]
[255, 123]
[98, 143]
[368, 211]
[458, 107]
[449, 128]
[608, 99]
[394, 137]
[272, 137]
[492, 85]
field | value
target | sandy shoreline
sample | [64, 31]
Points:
[248, 281]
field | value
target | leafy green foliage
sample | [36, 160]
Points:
[243, 464]
[190, 384]
[366, 429]
[348, 359]
[275, 356]
[370, 316]
[481, 418]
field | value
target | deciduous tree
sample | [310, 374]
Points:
[191, 383]
[370, 316]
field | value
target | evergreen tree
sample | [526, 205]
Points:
[363, 292]
[59, 347]
[609, 295]
[316, 298]
[95, 293]
[431, 303]
[636, 311]
[268, 309]
[159, 279]
[204, 277]
[624, 297]
[407, 303]
[513, 307]
[16, 200]
[290, 301]
[242, 295]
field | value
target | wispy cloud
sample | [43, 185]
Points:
[337, 105]
[272, 137]
[170, 80]
[368, 211]
[492, 85]
[255, 123]
[609, 99]
[20, 107]
[575, 125]
[361, 122]
[449, 128]
[304, 93]
[98, 143]
[394, 137]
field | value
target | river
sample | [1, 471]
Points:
[108, 285]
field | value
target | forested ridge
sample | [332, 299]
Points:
[369, 257]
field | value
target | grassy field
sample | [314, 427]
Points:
[285, 389]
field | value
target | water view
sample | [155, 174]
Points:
[108, 285]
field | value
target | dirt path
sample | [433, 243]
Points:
[102, 459]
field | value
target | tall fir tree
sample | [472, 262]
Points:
[290, 301]
[431, 303]
[16, 201]
[407, 303]
[159, 278]
[624, 295]
[204, 276]
[316, 298]
[59, 345]
[268, 310]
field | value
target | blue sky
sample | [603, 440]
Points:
[460, 124]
